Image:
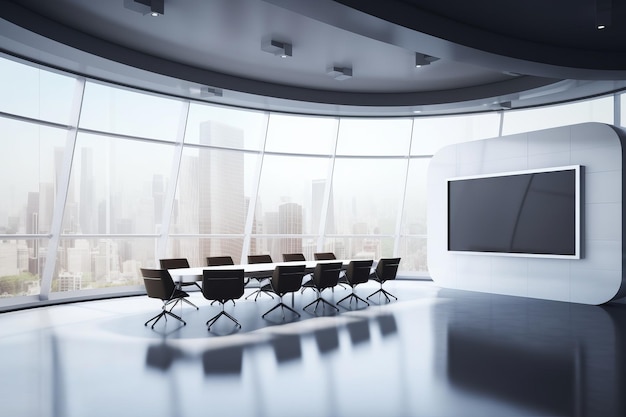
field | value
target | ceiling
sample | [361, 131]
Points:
[492, 55]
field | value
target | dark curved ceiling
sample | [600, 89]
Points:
[489, 53]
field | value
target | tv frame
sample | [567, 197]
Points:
[579, 171]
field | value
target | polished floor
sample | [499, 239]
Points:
[432, 353]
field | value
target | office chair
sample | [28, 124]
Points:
[358, 272]
[325, 275]
[299, 257]
[286, 279]
[222, 285]
[263, 289]
[386, 270]
[330, 256]
[219, 260]
[175, 263]
[159, 284]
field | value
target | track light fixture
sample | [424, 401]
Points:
[281, 49]
[603, 14]
[422, 60]
[157, 7]
[340, 73]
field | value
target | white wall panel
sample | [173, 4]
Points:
[594, 279]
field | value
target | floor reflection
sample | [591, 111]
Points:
[434, 353]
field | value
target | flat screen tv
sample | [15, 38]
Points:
[524, 213]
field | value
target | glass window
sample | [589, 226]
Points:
[213, 192]
[21, 264]
[224, 127]
[366, 196]
[298, 134]
[598, 110]
[35, 93]
[117, 110]
[414, 214]
[117, 186]
[374, 137]
[30, 176]
[433, 133]
[365, 247]
[196, 250]
[276, 246]
[412, 251]
[102, 262]
[290, 195]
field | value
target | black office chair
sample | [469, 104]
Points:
[324, 256]
[219, 260]
[386, 270]
[329, 256]
[286, 279]
[175, 263]
[222, 285]
[325, 275]
[299, 257]
[263, 288]
[358, 272]
[159, 284]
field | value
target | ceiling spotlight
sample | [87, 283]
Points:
[603, 14]
[281, 49]
[157, 7]
[422, 60]
[339, 73]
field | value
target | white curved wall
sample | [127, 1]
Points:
[594, 279]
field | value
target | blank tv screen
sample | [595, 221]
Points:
[527, 213]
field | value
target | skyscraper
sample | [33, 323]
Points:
[221, 179]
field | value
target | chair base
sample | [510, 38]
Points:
[385, 293]
[164, 313]
[283, 306]
[186, 301]
[213, 319]
[259, 292]
[317, 302]
[352, 296]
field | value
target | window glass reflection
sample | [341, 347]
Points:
[301, 134]
[117, 186]
[117, 110]
[366, 196]
[224, 127]
[433, 133]
[35, 93]
[374, 136]
[598, 110]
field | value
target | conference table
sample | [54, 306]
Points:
[194, 274]
[184, 275]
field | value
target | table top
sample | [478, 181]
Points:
[195, 273]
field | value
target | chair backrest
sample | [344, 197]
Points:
[287, 278]
[324, 256]
[222, 284]
[326, 275]
[293, 257]
[219, 260]
[358, 272]
[173, 263]
[387, 268]
[259, 259]
[158, 283]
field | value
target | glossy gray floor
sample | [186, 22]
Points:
[432, 353]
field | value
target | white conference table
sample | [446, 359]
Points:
[250, 270]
